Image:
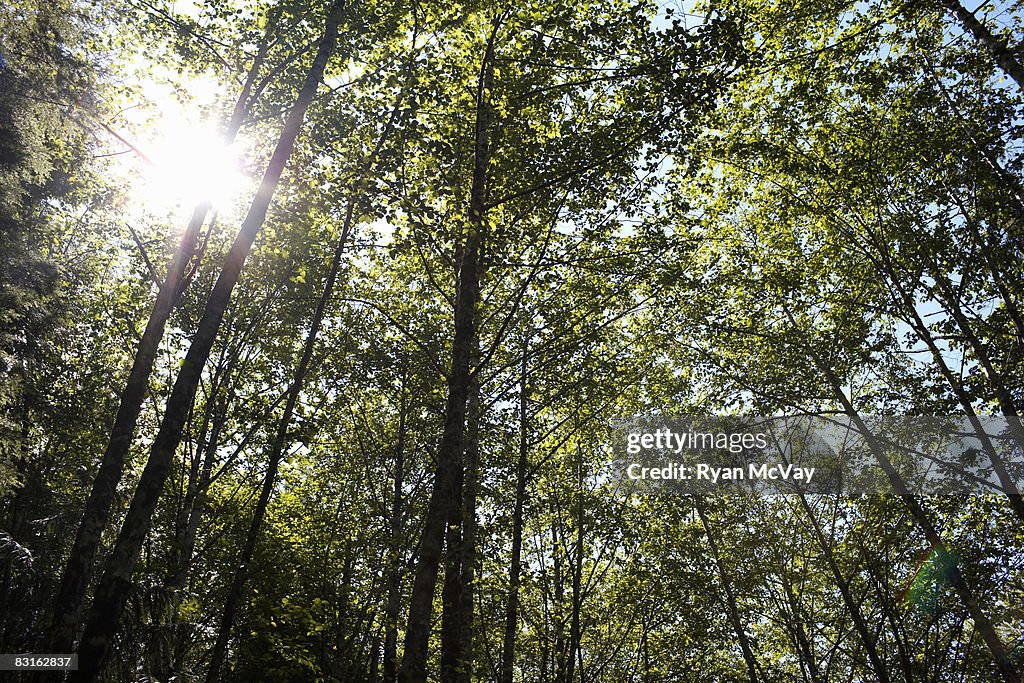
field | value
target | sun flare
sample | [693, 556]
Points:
[192, 164]
[181, 156]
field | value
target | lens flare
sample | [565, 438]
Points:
[933, 574]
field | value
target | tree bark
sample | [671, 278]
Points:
[560, 659]
[114, 586]
[78, 570]
[443, 496]
[469, 529]
[996, 46]
[395, 555]
[984, 626]
[186, 524]
[730, 594]
[457, 593]
[803, 645]
[989, 636]
[193, 503]
[889, 605]
[451, 590]
[186, 539]
[515, 562]
[878, 666]
[575, 655]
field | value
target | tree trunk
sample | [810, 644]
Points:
[195, 506]
[878, 666]
[395, 555]
[995, 45]
[560, 660]
[1009, 181]
[457, 593]
[346, 647]
[515, 562]
[451, 590]
[443, 496]
[803, 645]
[469, 528]
[575, 655]
[989, 636]
[116, 581]
[186, 524]
[999, 280]
[187, 520]
[906, 300]
[891, 608]
[730, 594]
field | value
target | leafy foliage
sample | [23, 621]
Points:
[744, 207]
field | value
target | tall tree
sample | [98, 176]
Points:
[68, 603]
[112, 589]
[444, 501]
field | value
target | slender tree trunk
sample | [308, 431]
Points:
[860, 624]
[890, 606]
[67, 609]
[730, 594]
[443, 496]
[575, 654]
[187, 520]
[546, 656]
[469, 529]
[515, 562]
[280, 442]
[78, 570]
[803, 645]
[395, 554]
[116, 581]
[186, 527]
[451, 590]
[1004, 665]
[982, 624]
[457, 593]
[375, 659]
[346, 646]
[195, 507]
[1004, 398]
[985, 248]
[1009, 180]
[645, 655]
[560, 664]
[995, 45]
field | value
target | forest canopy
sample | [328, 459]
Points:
[320, 321]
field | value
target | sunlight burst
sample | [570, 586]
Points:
[182, 156]
[192, 164]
